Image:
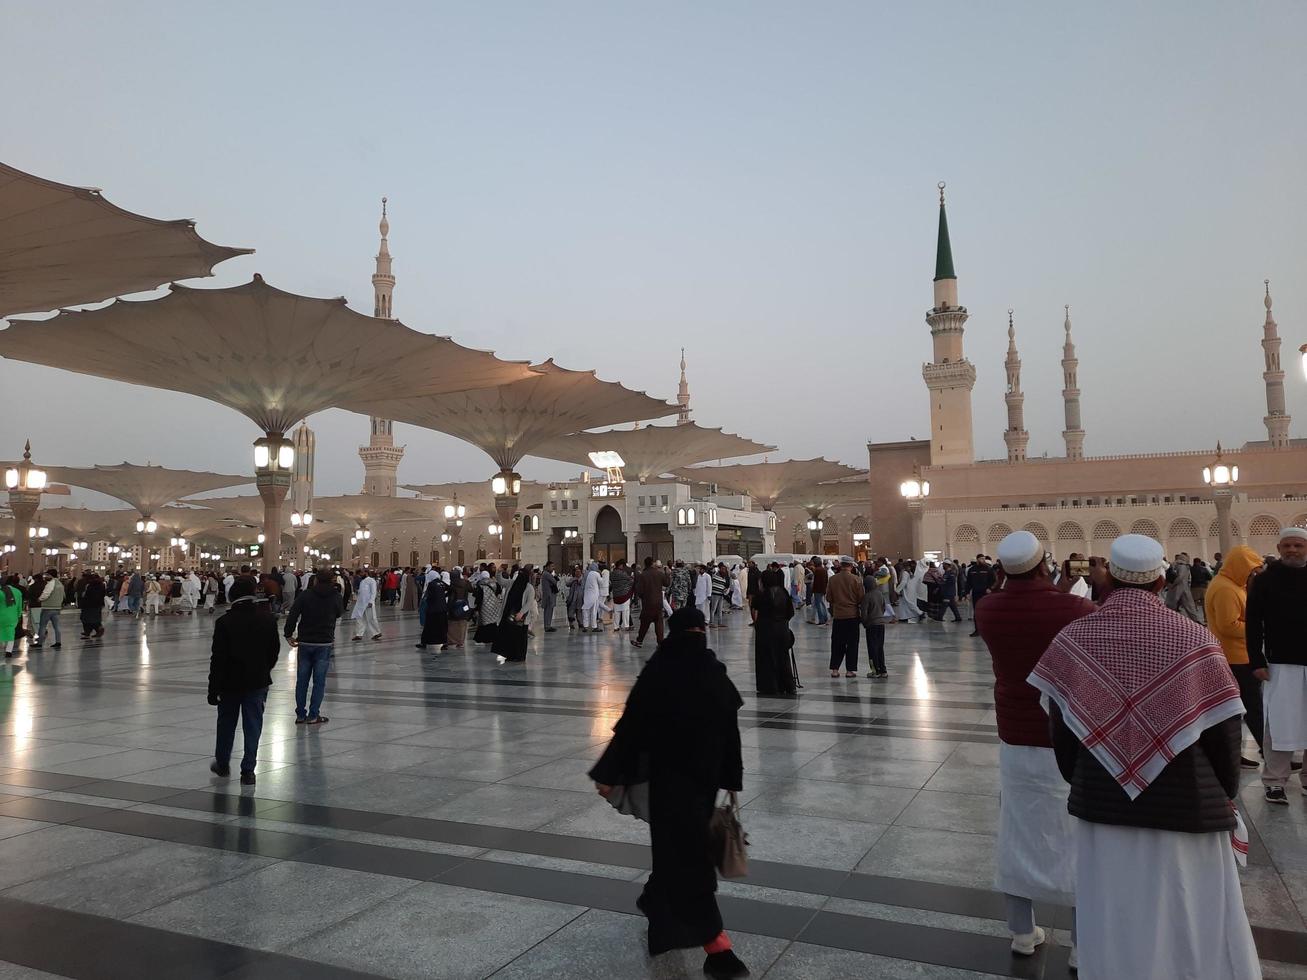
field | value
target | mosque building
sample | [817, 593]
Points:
[1072, 503]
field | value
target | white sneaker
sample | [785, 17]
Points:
[1027, 944]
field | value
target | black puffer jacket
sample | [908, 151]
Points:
[245, 649]
[1191, 795]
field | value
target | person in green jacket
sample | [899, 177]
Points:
[11, 612]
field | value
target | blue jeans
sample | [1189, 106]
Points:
[819, 607]
[133, 603]
[49, 616]
[249, 706]
[312, 660]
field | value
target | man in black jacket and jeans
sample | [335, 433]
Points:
[314, 612]
[1276, 626]
[245, 649]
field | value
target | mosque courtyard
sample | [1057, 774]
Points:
[442, 825]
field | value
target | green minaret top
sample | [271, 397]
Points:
[943, 250]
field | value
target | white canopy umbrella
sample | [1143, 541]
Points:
[650, 451]
[275, 357]
[509, 421]
[65, 246]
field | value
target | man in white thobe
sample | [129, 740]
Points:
[1277, 652]
[703, 593]
[191, 593]
[1035, 858]
[365, 608]
[591, 595]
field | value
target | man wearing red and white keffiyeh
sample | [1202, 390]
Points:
[1145, 716]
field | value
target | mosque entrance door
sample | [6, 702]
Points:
[609, 540]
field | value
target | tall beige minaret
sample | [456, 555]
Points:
[1277, 420]
[381, 456]
[1016, 436]
[1073, 434]
[683, 396]
[950, 376]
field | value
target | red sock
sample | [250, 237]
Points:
[719, 945]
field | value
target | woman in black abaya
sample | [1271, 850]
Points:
[511, 637]
[435, 625]
[772, 639]
[680, 734]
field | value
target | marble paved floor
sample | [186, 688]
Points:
[441, 824]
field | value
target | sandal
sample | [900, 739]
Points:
[835, 673]
[850, 673]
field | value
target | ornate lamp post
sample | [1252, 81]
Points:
[454, 514]
[274, 462]
[144, 528]
[915, 491]
[25, 483]
[497, 531]
[506, 486]
[300, 524]
[1222, 477]
[815, 527]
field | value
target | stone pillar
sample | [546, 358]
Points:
[917, 508]
[23, 504]
[1223, 499]
[273, 488]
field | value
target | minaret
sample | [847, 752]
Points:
[301, 481]
[1277, 421]
[1073, 434]
[950, 376]
[381, 456]
[683, 396]
[1016, 435]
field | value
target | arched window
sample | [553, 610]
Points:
[966, 534]
[1106, 531]
[997, 532]
[1039, 531]
[1145, 526]
[1182, 527]
[860, 525]
[1214, 529]
[1070, 531]
[1264, 525]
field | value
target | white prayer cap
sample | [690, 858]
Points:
[1019, 552]
[1293, 532]
[1136, 559]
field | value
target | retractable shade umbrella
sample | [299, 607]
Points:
[651, 450]
[508, 421]
[770, 483]
[271, 355]
[65, 246]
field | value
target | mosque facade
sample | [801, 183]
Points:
[1072, 503]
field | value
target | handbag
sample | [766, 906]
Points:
[728, 839]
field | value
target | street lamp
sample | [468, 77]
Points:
[815, 526]
[506, 486]
[1303, 351]
[915, 491]
[274, 460]
[1222, 477]
[24, 483]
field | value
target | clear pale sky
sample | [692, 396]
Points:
[605, 182]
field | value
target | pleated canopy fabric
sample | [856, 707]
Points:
[816, 498]
[476, 496]
[90, 525]
[771, 483]
[652, 450]
[147, 488]
[509, 421]
[275, 357]
[66, 246]
[365, 509]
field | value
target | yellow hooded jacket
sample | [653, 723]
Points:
[1226, 600]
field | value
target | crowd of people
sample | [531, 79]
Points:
[1121, 684]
